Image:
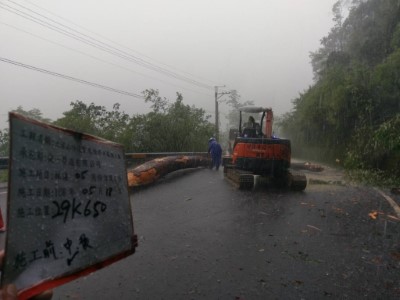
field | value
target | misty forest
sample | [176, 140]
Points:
[349, 115]
[351, 112]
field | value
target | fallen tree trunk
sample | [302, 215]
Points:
[152, 170]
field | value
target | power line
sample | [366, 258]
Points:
[96, 43]
[99, 59]
[114, 42]
[19, 64]
[62, 31]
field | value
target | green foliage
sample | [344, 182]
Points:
[4, 134]
[352, 109]
[4, 142]
[159, 104]
[96, 120]
[3, 175]
[377, 149]
[373, 177]
[387, 137]
[169, 127]
[34, 113]
[386, 86]
[395, 42]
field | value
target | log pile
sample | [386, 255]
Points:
[152, 170]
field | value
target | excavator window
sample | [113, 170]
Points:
[253, 131]
[249, 132]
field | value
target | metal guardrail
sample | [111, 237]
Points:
[133, 159]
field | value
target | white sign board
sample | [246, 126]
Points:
[69, 211]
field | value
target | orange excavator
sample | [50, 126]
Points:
[256, 152]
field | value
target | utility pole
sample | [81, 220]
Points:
[217, 96]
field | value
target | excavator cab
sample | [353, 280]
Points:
[256, 152]
[266, 115]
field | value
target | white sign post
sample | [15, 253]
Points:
[69, 210]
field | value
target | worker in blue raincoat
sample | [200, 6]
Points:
[216, 153]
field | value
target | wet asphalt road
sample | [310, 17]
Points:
[200, 238]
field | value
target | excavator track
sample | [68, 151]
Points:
[243, 179]
[297, 181]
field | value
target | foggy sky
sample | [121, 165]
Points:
[258, 47]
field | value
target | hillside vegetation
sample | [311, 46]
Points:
[351, 114]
